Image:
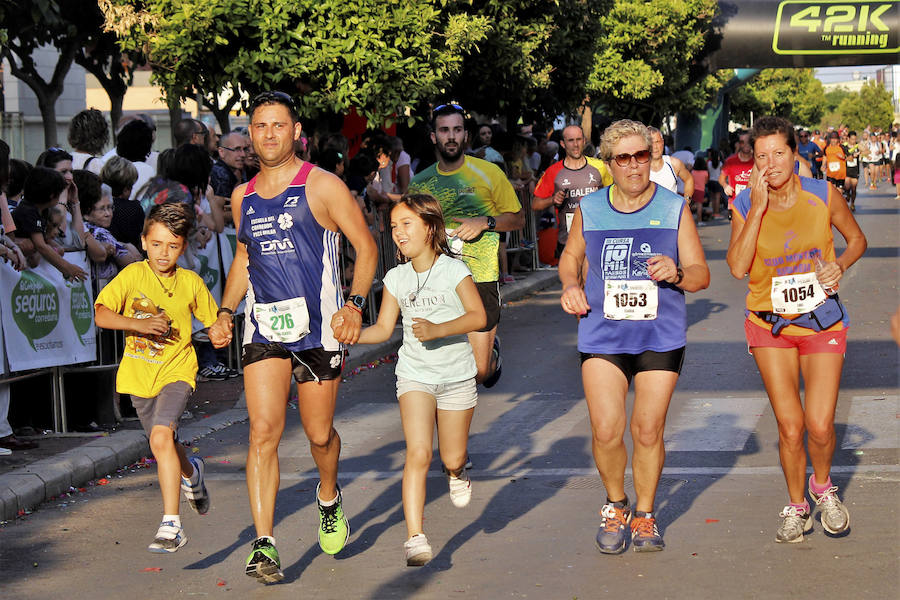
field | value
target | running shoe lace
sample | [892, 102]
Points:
[829, 502]
[329, 518]
[613, 519]
[644, 526]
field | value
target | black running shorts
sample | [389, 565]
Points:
[312, 364]
[632, 364]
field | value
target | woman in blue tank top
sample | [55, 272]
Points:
[642, 252]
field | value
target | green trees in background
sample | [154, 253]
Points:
[534, 61]
[647, 63]
[378, 57]
[498, 57]
[870, 107]
[75, 29]
[794, 94]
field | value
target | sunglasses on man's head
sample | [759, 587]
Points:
[269, 96]
[446, 108]
[624, 159]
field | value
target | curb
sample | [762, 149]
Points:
[26, 488]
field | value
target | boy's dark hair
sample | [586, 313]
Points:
[274, 97]
[89, 131]
[18, 173]
[51, 157]
[43, 186]
[89, 192]
[135, 141]
[765, 126]
[191, 166]
[177, 217]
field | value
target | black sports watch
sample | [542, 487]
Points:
[357, 301]
[492, 223]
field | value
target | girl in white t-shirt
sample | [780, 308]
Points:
[436, 369]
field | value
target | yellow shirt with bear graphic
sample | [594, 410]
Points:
[150, 362]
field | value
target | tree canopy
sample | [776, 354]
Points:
[376, 56]
[536, 58]
[647, 63]
[871, 106]
[794, 94]
[382, 58]
[71, 26]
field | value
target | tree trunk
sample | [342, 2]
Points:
[174, 113]
[223, 114]
[47, 92]
[115, 112]
[47, 104]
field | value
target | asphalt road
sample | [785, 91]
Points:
[529, 530]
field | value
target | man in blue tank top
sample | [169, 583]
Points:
[289, 220]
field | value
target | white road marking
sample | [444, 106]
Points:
[714, 424]
[873, 422]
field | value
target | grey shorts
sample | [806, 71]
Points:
[166, 408]
[459, 395]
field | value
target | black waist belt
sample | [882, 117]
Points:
[820, 318]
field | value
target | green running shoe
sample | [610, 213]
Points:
[263, 562]
[334, 530]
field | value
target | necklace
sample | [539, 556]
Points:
[414, 295]
[168, 291]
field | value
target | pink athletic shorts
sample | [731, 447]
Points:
[823, 342]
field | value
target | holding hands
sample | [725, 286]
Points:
[220, 332]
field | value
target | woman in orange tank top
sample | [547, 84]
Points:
[796, 325]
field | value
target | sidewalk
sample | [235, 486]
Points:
[30, 477]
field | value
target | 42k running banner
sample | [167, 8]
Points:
[805, 33]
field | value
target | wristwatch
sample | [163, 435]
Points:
[357, 301]
[679, 273]
[492, 223]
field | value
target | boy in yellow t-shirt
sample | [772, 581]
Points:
[153, 301]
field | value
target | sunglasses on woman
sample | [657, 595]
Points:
[624, 159]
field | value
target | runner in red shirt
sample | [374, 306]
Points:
[566, 182]
[735, 175]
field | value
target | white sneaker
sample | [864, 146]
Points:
[835, 516]
[460, 489]
[417, 550]
[169, 538]
[794, 524]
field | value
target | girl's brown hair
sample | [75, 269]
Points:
[429, 210]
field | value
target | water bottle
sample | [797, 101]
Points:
[820, 264]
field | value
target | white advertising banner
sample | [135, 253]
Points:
[47, 321]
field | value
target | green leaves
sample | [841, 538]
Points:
[374, 55]
[650, 53]
[794, 94]
[495, 56]
[870, 107]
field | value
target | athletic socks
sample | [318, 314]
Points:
[175, 519]
[329, 503]
[819, 489]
